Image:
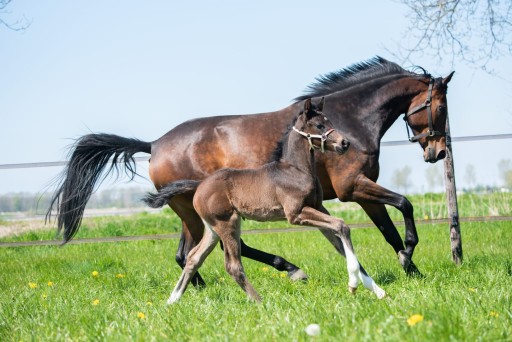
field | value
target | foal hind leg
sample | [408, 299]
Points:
[195, 259]
[230, 236]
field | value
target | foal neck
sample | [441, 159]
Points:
[297, 152]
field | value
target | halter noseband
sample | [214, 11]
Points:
[428, 105]
[322, 137]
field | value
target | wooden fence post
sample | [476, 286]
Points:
[451, 197]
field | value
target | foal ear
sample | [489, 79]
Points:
[448, 78]
[307, 105]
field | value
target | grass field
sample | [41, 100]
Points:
[117, 291]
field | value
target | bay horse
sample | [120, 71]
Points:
[362, 101]
[286, 188]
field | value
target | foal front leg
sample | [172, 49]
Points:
[338, 233]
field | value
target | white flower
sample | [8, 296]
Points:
[313, 330]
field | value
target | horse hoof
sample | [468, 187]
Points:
[408, 265]
[172, 300]
[297, 275]
[352, 290]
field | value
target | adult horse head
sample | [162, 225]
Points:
[362, 102]
[430, 129]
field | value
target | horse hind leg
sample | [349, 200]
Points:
[191, 234]
[276, 261]
[195, 259]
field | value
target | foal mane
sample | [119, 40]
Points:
[277, 154]
[357, 73]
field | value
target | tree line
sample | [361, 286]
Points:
[39, 203]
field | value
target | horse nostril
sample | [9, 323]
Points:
[441, 155]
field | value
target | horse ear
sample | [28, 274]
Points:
[448, 78]
[320, 105]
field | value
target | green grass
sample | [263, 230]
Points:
[467, 303]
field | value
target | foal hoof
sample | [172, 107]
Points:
[352, 290]
[297, 275]
[408, 265]
[380, 293]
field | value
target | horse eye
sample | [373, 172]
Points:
[320, 126]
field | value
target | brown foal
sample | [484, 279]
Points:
[286, 188]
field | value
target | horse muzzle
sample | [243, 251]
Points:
[432, 155]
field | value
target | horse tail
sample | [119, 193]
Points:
[91, 156]
[164, 195]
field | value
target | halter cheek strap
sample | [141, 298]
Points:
[428, 105]
[322, 137]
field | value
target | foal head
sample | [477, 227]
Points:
[318, 129]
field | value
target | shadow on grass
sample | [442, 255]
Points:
[385, 277]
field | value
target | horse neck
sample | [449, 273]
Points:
[371, 108]
[297, 152]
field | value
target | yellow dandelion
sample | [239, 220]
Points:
[425, 217]
[264, 269]
[119, 275]
[141, 315]
[283, 275]
[149, 303]
[32, 285]
[44, 296]
[471, 289]
[95, 274]
[414, 319]
[95, 302]
[50, 283]
[494, 314]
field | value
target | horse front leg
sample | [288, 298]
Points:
[372, 198]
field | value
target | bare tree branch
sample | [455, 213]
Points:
[476, 32]
[17, 25]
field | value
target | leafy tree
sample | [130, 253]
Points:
[400, 178]
[473, 31]
[434, 177]
[505, 169]
[470, 175]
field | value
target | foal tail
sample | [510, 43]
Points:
[90, 157]
[165, 194]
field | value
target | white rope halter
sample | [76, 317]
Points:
[322, 137]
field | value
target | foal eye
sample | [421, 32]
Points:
[320, 126]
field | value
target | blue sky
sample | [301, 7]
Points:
[138, 69]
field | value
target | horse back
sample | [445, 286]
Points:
[197, 148]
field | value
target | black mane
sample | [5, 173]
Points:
[354, 74]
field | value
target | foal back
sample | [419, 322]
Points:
[260, 194]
